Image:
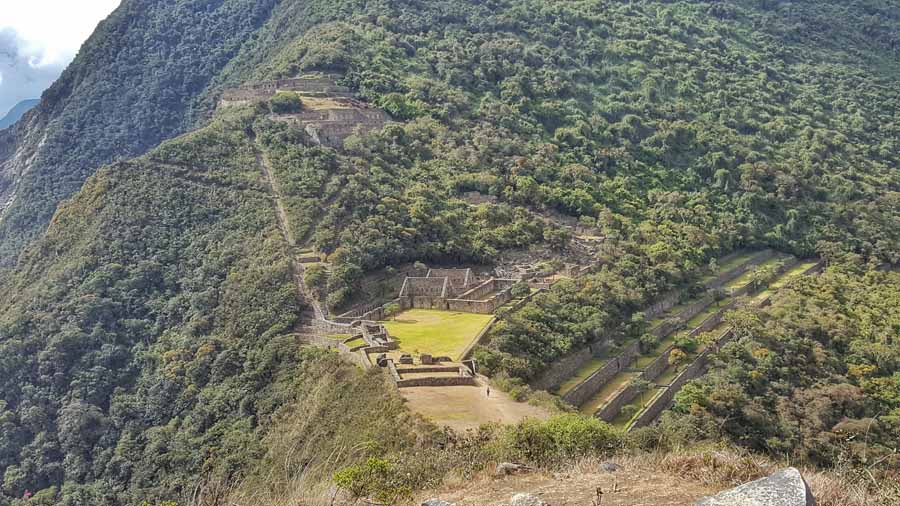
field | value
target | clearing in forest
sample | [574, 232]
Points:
[436, 332]
[464, 407]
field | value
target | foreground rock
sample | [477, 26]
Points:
[507, 468]
[526, 500]
[436, 502]
[784, 488]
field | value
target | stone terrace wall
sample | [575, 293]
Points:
[437, 381]
[430, 287]
[744, 290]
[815, 269]
[693, 371]
[611, 409]
[733, 273]
[479, 306]
[683, 317]
[713, 320]
[459, 278]
[563, 369]
[583, 391]
[658, 366]
[667, 302]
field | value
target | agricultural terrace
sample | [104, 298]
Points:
[436, 332]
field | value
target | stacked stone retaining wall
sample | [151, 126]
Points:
[609, 411]
[733, 273]
[714, 320]
[448, 381]
[563, 369]
[693, 371]
[580, 393]
[658, 366]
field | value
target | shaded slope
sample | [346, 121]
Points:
[17, 112]
[134, 83]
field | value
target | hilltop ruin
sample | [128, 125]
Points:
[330, 112]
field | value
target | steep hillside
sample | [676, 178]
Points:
[135, 82]
[148, 302]
[17, 112]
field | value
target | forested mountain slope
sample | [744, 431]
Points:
[144, 326]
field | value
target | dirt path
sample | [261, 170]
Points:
[284, 224]
[635, 487]
[464, 407]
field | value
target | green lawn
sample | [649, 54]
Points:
[356, 342]
[438, 333]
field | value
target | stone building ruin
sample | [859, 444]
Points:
[455, 290]
[330, 114]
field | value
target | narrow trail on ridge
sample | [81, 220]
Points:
[284, 224]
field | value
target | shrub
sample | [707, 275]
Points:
[520, 289]
[285, 102]
[377, 478]
[557, 440]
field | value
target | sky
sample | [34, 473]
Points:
[38, 38]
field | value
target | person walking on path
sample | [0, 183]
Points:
[488, 390]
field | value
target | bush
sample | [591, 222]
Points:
[376, 478]
[557, 440]
[520, 289]
[686, 343]
[285, 102]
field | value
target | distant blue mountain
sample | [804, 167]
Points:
[17, 112]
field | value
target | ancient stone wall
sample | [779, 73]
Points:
[525, 300]
[437, 381]
[459, 278]
[678, 320]
[479, 306]
[467, 353]
[713, 320]
[667, 302]
[658, 366]
[426, 369]
[428, 287]
[815, 269]
[609, 411]
[563, 369]
[580, 393]
[481, 291]
[693, 371]
[744, 290]
[733, 273]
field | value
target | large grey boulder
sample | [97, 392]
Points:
[784, 488]
[507, 468]
[526, 500]
[436, 502]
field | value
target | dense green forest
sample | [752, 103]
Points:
[814, 378]
[144, 326]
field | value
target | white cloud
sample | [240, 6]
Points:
[38, 38]
[53, 30]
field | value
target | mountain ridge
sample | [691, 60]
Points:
[17, 111]
[148, 308]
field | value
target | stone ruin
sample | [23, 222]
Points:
[312, 85]
[330, 124]
[455, 290]
[329, 127]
